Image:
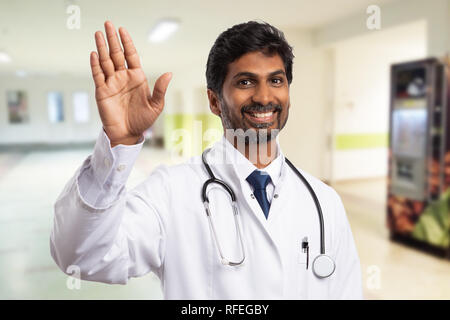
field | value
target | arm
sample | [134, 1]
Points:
[112, 235]
[109, 233]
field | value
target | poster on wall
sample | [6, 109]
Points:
[17, 106]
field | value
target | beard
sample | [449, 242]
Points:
[258, 132]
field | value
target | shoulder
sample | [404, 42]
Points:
[167, 180]
[327, 195]
[318, 185]
[171, 173]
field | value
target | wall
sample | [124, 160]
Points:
[436, 13]
[361, 77]
[304, 139]
[188, 121]
[39, 129]
[361, 106]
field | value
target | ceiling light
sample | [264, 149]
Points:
[4, 57]
[163, 30]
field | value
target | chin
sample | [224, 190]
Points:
[262, 136]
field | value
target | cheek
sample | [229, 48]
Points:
[287, 104]
[285, 112]
[235, 109]
[240, 98]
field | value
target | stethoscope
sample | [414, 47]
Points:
[323, 265]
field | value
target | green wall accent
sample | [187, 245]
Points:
[192, 127]
[361, 141]
[184, 132]
[209, 121]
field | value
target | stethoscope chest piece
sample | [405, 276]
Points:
[323, 266]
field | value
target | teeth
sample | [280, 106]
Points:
[262, 115]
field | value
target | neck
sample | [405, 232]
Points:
[260, 154]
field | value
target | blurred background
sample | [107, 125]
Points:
[343, 96]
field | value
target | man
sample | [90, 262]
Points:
[260, 249]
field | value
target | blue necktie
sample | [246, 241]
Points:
[259, 181]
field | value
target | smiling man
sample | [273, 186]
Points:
[238, 222]
[248, 74]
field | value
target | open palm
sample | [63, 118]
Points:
[126, 106]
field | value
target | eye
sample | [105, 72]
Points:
[244, 82]
[277, 81]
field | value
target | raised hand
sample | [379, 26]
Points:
[126, 106]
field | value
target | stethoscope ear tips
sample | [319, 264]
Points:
[225, 262]
[323, 266]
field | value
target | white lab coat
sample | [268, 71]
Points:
[161, 226]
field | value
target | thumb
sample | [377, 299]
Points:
[159, 91]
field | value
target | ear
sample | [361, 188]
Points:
[214, 103]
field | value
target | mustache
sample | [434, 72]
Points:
[257, 107]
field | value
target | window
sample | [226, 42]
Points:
[55, 107]
[80, 102]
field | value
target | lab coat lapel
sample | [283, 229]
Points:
[275, 208]
[223, 168]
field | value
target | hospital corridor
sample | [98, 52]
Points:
[369, 116]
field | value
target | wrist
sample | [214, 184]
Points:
[126, 141]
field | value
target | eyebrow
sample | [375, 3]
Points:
[254, 75]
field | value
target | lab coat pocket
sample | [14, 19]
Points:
[303, 269]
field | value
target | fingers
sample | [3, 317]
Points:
[160, 88]
[115, 50]
[105, 60]
[130, 51]
[114, 60]
[97, 72]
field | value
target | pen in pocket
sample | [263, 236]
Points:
[305, 248]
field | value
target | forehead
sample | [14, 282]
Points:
[256, 62]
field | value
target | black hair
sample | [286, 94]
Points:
[241, 39]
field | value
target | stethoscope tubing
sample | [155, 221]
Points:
[316, 201]
[323, 265]
[213, 179]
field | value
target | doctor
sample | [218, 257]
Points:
[266, 244]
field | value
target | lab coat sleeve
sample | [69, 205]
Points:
[106, 233]
[346, 280]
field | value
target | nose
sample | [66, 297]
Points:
[263, 94]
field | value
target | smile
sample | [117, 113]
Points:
[261, 117]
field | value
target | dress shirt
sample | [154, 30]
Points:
[102, 181]
[244, 167]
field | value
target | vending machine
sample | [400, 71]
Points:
[418, 203]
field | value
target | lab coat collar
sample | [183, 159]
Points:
[243, 167]
[237, 165]
[229, 165]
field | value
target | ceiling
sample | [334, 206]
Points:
[35, 35]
